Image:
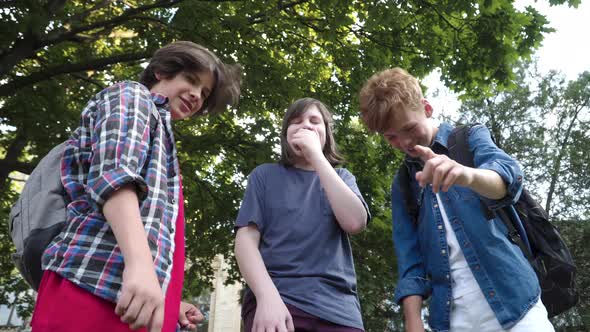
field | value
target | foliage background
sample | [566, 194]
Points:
[55, 54]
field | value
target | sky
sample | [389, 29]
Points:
[567, 49]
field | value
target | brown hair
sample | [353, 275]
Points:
[298, 108]
[185, 57]
[386, 93]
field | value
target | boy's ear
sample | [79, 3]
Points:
[427, 108]
[158, 76]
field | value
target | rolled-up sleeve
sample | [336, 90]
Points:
[120, 141]
[412, 275]
[488, 156]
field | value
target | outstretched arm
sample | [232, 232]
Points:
[443, 172]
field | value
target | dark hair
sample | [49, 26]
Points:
[185, 57]
[298, 108]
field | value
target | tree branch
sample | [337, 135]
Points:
[441, 16]
[25, 47]
[83, 15]
[19, 166]
[31, 42]
[261, 17]
[54, 6]
[63, 35]
[95, 64]
[555, 172]
[89, 80]
[7, 3]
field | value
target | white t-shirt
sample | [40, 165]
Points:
[462, 279]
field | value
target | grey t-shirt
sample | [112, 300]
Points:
[306, 253]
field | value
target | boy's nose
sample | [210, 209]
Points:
[195, 93]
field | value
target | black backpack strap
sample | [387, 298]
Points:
[403, 175]
[513, 234]
[459, 151]
[458, 145]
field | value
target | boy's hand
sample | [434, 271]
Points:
[441, 171]
[141, 303]
[189, 316]
[272, 315]
[308, 143]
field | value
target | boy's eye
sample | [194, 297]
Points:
[192, 79]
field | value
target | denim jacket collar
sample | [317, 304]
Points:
[442, 136]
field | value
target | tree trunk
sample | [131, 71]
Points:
[557, 163]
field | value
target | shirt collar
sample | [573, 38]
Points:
[159, 100]
[442, 136]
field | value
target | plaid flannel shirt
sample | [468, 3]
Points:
[124, 137]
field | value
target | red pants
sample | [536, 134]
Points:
[63, 306]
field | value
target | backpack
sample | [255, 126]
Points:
[528, 227]
[38, 216]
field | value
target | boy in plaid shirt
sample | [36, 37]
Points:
[119, 262]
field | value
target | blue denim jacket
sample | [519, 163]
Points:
[505, 277]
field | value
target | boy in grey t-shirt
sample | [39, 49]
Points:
[292, 241]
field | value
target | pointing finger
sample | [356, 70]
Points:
[425, 153]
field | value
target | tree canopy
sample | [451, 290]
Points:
[55, 54]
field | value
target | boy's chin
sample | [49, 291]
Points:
[176, 114]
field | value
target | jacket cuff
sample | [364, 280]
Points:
[513, 179]
[412, 286]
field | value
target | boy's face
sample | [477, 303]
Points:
[411, 128]
[186, 92]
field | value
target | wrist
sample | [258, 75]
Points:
[138, 258]
[413, 324]
[268, 294]
[318, 160]
[469, 177]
